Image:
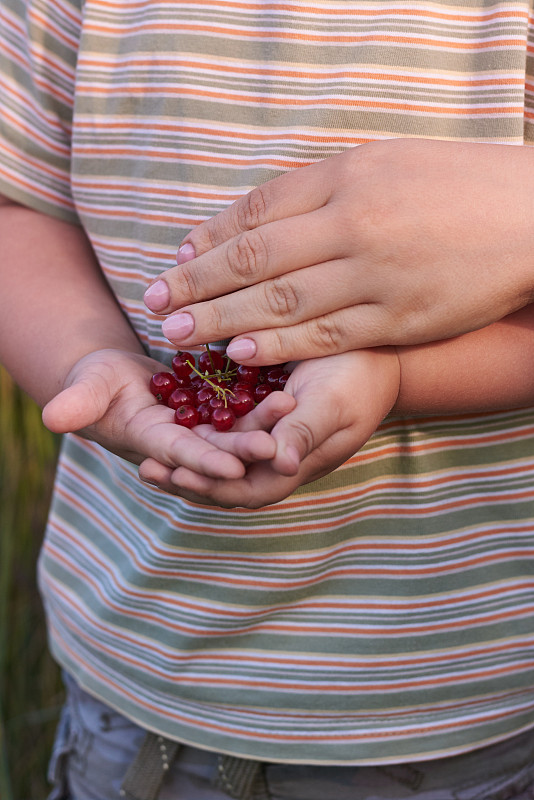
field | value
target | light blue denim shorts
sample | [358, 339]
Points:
[95, 747]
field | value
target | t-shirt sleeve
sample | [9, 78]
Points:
[38, 52]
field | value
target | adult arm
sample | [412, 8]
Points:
[393, 242]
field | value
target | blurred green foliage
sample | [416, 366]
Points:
[30, 685]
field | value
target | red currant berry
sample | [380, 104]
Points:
[261, 391]
[182, 397]
[222, 419]
[205, 393]
[210, 361]
[217, 402]
[247, 374]
[183, 381]
[162, 385]
[204, 413]
[273, 376]
[197, 382]
[214, 381]
[241, 386]
[241, 402]
[187, 416]
[282, 380]
[180, 365]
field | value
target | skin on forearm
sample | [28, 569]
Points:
[491, 369]
[55, 305]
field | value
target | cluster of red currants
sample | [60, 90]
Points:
[215, 390]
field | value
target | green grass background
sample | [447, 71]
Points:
[30, 685]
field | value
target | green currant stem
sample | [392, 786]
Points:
[219, 390]
[210, 357]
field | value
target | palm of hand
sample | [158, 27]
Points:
[107, 400]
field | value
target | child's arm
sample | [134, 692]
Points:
[66, 342]
[55, 304]
[486, 370]
[341, 400]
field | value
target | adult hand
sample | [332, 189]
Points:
[340, 401]
[106, 399]
[393, 242]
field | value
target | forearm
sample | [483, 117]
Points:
[55, 305]
[487, 370]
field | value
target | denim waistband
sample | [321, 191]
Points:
[98, 750]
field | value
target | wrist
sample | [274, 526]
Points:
[390, 367]
[380, 389]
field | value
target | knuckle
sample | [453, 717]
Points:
[251, 210]
[207, 235]
[304, 435]
[327, 335]
[247, 255]
[214, 233]
[282, 298]
[410, 325]
[277, 346]
[188, 275]
[217, 320]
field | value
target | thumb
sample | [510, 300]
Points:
[300, 432]
[80, 405]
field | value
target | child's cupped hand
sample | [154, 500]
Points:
[337, 404]
[106, 399]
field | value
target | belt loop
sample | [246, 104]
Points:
[241, 778]
[146, 772]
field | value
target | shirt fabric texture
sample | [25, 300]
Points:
[385, 612]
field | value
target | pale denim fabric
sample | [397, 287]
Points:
[95, 746]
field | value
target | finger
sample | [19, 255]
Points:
[249, 258]
[268, 412]
[304, 430]
[260, 487]
[288, 195]
[352, 328]
[78, 406]
[203, 449]
[249, 440]
[248, 446]
[295, 297]
[204, 490]
[173, 445]
[159, 476]
[156, 474]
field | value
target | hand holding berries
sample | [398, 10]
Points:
[287, 439]
[339, 401]
[105, 399]
[236, 389]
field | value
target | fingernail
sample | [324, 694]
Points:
[178, 326]
[185, 253]
[241, 349]
[293, 455]
[157, 296]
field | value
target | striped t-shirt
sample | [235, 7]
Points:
[385, 612]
